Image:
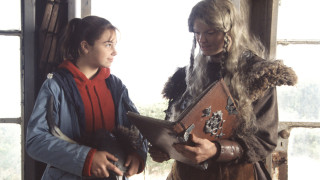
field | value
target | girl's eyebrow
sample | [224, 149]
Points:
[108, 42]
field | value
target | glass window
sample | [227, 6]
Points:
[304, 154]
[10, 15]
[296, 23]
[10, 78]
[302, 102]
[10, 151]
[154, 40]
[299, 19]
[10, 91]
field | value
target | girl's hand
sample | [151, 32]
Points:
[201, 151]
[133, 163]
[157, 155]
[101, 165]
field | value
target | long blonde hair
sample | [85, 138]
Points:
[222, 15]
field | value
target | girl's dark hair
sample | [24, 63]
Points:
[88, 29]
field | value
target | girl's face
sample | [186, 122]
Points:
[101, 54]
[210, 40]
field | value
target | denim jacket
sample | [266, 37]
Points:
[65, 160]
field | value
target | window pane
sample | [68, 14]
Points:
[10, 91]
[154, 41]
[302, 102]
[299, 19]
[304, 154]
[10, 151]
[154, 170]
[10, 15]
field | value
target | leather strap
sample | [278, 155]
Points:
[227, 151]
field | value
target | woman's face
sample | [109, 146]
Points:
[210, 40]
[101, 54]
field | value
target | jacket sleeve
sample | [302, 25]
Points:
[259, 145]
[42, 145]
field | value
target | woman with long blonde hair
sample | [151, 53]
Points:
[227, 50]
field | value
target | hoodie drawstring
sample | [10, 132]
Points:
[102, 117]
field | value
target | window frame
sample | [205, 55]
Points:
[19, 34]
[19, 120]
[28, 64]
[263, 19]
[280, 155]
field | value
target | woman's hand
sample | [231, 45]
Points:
[101, 165]
[201, 151]
[133, 163]
[157, 155]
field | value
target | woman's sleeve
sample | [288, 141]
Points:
[259, 145]
[42, 145]
[143, 150]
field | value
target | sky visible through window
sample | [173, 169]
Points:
[153, 42]
[298, 20]
[10, 91]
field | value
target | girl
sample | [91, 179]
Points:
[86, 99]
[227, 51]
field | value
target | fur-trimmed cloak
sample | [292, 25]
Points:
[260, 77]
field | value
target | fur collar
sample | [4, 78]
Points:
[257, 74]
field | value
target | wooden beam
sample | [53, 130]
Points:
[297, 41]
[10, 33]
[27, 81]
[10, 120]
[263, 23]
[290, 125]
[85, 8]
[72, 11]
[280, 155]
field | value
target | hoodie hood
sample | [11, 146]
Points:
[80, 78]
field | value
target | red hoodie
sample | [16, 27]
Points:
[96, 98]
[97, 101]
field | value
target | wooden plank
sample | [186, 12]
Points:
[53, 49]
[41, 39]
[55, 58]
[53, 19]
[62, 20]
[49, 57]
[45, 52]
[46, 17]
